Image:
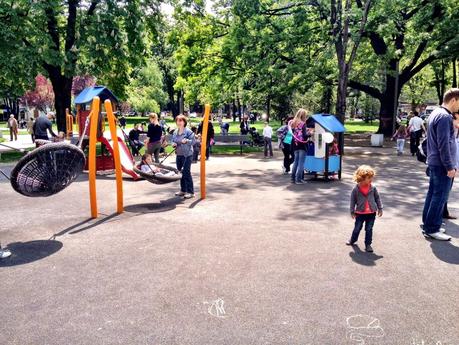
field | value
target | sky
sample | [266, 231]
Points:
[169, 9]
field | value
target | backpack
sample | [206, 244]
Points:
[421, 155]
[298, 133]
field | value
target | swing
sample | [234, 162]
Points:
[47, 170]
[158, 178]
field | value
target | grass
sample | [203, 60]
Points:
[352, 127]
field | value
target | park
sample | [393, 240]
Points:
[229, 172]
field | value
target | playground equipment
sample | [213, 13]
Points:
[52, 167]
[69, 123]
[104, 161]
[320, 161]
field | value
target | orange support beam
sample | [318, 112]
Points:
[69, 122]
[205, 129]
[95, 109]
[116, 155]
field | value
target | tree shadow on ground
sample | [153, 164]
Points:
[26, 252]
[401, 181]
[363, 258]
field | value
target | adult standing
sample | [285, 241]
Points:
[415, 127]
[154, 135]
[183, 140]
[446, 214]
[122, 122]
[285, 144]
[30, 124]
[42, 126]
[13, 126]
[441, 161]
[210, 135]
[245, 125]
[300, 137]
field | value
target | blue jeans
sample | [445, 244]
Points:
[437, 196]
[298, 165]
[186, 182]
[360, 219]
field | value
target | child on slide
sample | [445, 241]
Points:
[146, 166]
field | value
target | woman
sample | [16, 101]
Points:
[285, 144]
[183, 140]
[300, 137]
[154, 135]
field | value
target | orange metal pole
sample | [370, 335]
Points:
[205, 128]
[95, 109]
[116, 156]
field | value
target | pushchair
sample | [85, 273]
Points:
[257, 139]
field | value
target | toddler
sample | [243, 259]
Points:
[365, 203]
[400, 135]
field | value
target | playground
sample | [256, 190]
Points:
[259, 261]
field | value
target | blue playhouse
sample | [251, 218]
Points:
[324, 155]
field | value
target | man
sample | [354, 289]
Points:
[441, 161]
[122, 122]
[13, 126]
[30, 124]
[41, 127]
[134, 137]
[415, 126]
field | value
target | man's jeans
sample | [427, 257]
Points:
[184, 165]
[268, 146]
[298, 165]
[437, 195]
[360, 219]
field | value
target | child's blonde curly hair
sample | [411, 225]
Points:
[363, 172]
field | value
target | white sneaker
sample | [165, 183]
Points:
[188, 196]
[4, 253]
[438, 236]
[180, 194]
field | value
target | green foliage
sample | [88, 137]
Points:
[145, 90]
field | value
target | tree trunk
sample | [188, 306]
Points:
[386, 112]
[62, 87]
[268, 108]
[341, 97]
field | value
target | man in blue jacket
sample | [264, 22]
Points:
[442, 164]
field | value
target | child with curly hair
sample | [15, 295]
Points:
[365, 203]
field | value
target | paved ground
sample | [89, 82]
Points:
[260, 261]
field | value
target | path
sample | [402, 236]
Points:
[260, 261]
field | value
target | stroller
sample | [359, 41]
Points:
[257, 139]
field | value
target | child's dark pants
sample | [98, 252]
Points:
[360, 219]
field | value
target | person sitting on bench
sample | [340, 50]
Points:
[134, 137]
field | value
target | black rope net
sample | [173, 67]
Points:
[47, 170]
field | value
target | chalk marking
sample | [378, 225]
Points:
[217, 308]
[361, 327]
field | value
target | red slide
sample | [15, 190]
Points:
[127, 162]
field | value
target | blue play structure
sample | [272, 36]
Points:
[324, 153]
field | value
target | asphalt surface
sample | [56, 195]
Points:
[260, 261]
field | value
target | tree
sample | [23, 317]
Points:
[42, 97]
[341, 31]
[82, 82]
[404, 38]
[64, 38]
[145, 91]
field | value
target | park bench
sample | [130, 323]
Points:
[240, 140]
